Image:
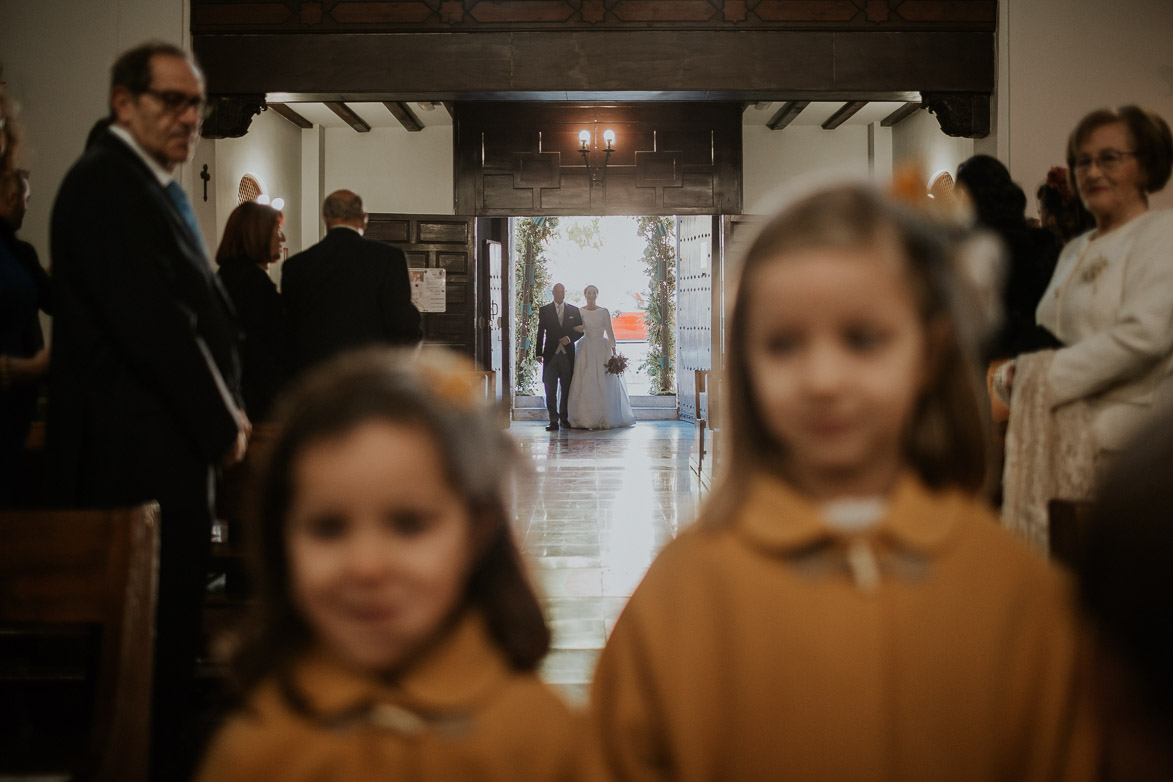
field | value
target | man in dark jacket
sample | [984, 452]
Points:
[144, 376]
[559, 327]
[347, 291]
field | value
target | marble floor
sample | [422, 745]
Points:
[592, 513]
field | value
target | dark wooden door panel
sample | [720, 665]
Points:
[439, 242]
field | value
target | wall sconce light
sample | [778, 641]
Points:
[598, 172]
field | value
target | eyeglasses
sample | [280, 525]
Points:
[178, 102]
[1106, 160]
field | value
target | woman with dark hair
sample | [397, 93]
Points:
[397, 633]
[1000, 205]
[1060, 210]
[252, 240]
[1109, 304]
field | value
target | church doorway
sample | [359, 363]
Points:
[632, 262]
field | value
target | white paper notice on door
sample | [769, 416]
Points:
[429, 289]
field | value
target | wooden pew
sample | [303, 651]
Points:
[77, 606]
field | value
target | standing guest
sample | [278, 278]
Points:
[1109, 304]
[1126, 590]
[1000, 206]
[559, 327]
[144, 377]
[846, 608]
[1030, 252]
[1060, 210]
[347, 291]
[252, 240]
[23, 356]
[398, 634]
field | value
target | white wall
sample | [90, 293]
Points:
[773, 158]
[270, 151]
[1068, 57]
[313, 177]
[57, 56]
[918, 141]
[391, 169]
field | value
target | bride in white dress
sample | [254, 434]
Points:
[598, 399]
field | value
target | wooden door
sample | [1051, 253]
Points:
[439, 242]
[496, 315]
[694, 306]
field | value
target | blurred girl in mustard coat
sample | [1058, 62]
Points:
[846, 608]
[399, 636]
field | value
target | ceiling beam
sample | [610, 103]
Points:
[901, 114]
[402, 112]
[285, 111]
[349, 117]
[845, 112]
[785, 115]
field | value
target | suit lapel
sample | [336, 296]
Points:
[190, 248]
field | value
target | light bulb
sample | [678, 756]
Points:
[278, 204]
[609, 137]
[584, 138]
[262, 199]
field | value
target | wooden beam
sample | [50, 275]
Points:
[846, 112]
[402, 112]
[785, 115]
[349, 117]
[291, 115]
[462, 66]
[901, 114]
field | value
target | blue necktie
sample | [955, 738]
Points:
[179, 198]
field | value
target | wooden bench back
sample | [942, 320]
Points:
[96, 569]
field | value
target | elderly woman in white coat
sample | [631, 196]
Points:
[1110, 302]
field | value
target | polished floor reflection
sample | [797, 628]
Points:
[592, 513]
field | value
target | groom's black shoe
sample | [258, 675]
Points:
[553, 427]
[566, 424]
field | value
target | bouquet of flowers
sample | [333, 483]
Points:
[616, 365]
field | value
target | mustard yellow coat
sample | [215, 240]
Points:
[934, 646]
[461, 714]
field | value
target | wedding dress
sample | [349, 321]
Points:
[598, 399]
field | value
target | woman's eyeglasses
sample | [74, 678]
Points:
[1106, 161]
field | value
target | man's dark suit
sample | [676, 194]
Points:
[557, 366]
[143, 385]
[345, 292]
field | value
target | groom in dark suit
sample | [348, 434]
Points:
[555, 350]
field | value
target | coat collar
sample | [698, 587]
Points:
[463, 670]
[780, 520]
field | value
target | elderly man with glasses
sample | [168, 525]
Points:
[144, 375]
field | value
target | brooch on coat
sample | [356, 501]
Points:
[1093, 270]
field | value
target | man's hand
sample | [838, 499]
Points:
[564, 341]
[540, 359]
